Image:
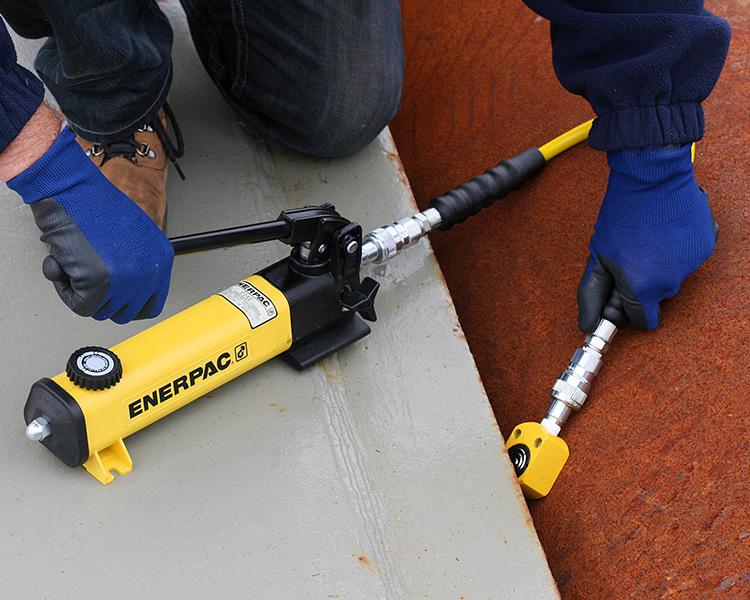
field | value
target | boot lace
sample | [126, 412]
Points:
[128, 147]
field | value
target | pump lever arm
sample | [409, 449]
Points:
[293, 227]
[231, 236]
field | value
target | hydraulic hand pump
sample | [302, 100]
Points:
[304, 308]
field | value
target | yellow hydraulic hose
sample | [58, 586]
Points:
[575, 136]
[565, 141]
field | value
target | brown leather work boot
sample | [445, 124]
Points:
[137, 164]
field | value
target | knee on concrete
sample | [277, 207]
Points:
[350, 112]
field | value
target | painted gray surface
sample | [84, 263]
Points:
[378, 474]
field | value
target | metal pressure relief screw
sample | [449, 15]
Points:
[38, 430]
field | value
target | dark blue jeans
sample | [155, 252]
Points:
[322, 77]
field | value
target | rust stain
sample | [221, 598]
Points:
[330, 374]
[493, 420]
[459, 332]
[396, 160]
[364, 561]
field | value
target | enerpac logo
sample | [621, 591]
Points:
[258, 296]
[254, 304]
[180, 384]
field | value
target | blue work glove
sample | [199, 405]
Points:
[107, 259]
[655, 228]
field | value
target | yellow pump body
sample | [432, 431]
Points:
[177, 361]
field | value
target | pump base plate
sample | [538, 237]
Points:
[314, 348]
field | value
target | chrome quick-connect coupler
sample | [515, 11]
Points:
[572, 388]
[384, 243]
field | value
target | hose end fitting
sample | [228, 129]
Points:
[382, 244]
[570, 391]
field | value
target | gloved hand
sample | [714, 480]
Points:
[655, 228]
[107, 258]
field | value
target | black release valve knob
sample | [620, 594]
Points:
[94, 368]
[362, 300]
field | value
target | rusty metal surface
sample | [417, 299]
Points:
[655, 500]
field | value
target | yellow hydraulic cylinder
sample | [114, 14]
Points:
[537, 456]
[162, 369]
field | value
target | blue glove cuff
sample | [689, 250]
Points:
[649, 186]
[61, 167]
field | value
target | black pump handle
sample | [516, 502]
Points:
[293, 227]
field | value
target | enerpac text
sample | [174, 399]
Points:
[179, 384]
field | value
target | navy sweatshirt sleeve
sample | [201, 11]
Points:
[644, 65]
[21, 92]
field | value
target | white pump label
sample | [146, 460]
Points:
[257, 307]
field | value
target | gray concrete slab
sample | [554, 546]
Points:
[378, 474]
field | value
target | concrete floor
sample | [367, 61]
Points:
[378, 474]
[655, 499]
